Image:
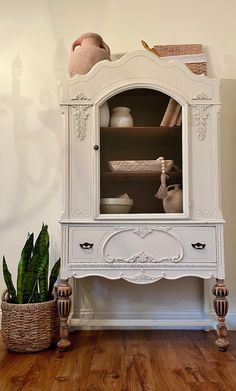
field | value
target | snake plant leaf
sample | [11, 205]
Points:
[43, 280]
[43, 277]
[32, 278]
[53, 277]
[35, 296]
[39, 246]
[23, 265]
[9, 283]
[37, 264]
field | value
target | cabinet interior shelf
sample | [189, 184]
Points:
[134, 176]
[143, 130]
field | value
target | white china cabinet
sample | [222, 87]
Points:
[144, 244]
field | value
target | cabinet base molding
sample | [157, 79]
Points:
[135, 324]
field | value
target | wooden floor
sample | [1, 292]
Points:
[125, 361]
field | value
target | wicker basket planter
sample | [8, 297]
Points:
[29, 327]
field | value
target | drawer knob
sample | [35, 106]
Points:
[199, 246]
[86, 245]
[96, 147]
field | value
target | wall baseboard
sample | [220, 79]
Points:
[230, 319]
[137, 324]
[86, 320]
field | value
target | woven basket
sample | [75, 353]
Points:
[184, 50]
[29, 327]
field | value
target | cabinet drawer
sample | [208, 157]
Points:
[84, 243]
[142, 244]
[199, 243]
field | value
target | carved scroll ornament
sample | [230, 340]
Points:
[201, 96]
[142, 277]
[200, 115]
[144, 257]
[80, 115]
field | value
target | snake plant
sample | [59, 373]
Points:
[33, 285]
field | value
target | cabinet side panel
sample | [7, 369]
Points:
[203, 164]
[81, 173]
[65, 160]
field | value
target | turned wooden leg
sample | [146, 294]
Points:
[221, 308]
[64, 291]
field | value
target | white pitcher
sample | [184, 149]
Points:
[173, 202]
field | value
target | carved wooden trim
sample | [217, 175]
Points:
[142, 277]
[80, 96]
[120, 228]
[201, 96]
[80, 116]
[144, 257]
[200, 114]
[119, 265]
[64, 292]
[221, 308]
[81, 212]
[142, 231]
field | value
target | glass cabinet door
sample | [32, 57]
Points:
[141, 150]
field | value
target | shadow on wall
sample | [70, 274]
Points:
[61, 58]
[33, 183]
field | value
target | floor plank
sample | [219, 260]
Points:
[150, 360]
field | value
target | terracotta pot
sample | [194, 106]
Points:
[173, 202]
[86, 51]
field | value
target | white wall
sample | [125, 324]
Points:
[35, 43]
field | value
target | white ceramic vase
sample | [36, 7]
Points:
[121, 117]
[173, 202]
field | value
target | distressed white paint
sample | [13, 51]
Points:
[31, 132]
[161, 247]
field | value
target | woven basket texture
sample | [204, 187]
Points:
[29, 327]
[177, 50]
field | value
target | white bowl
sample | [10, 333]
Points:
[116, 205]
